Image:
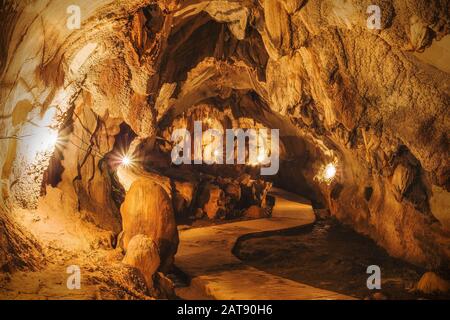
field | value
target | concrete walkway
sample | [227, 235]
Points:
[205, 255]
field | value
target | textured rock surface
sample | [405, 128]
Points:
[373, 101]
[255, 212]
[431, 283]
[18, 250]
[214, 201]
[142, 253]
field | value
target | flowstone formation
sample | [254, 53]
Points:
[373, 102]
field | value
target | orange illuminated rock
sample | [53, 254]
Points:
[255, 212]
[147, 210]
[142, 253]
[215, 201]
[431, 283]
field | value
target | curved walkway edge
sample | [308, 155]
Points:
[205, 256]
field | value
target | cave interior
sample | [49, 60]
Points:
[88, 118]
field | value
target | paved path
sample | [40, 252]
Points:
[205, 255]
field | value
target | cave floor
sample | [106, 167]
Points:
[206, 256]
[333, 257]
[103, 277]
[287, 256]
[67, 241]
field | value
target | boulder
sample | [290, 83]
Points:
[244, 179]
[184, 192]
[215, 202]
[234, 191]
[260, 190]
[211, 199]
[142, 253]
[147, 210]
[254, 192]
[431, 283]
[255, 212]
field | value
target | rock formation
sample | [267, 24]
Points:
[147, 211]
[142, 253]
[431, 283]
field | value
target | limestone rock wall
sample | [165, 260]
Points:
[383, 111]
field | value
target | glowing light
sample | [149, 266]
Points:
[52, 139]
[126, 161]
[330, 171]
[327, 173]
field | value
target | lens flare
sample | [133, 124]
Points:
[327, 173]
[126, 161]
[330, 171]
[122, 159]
